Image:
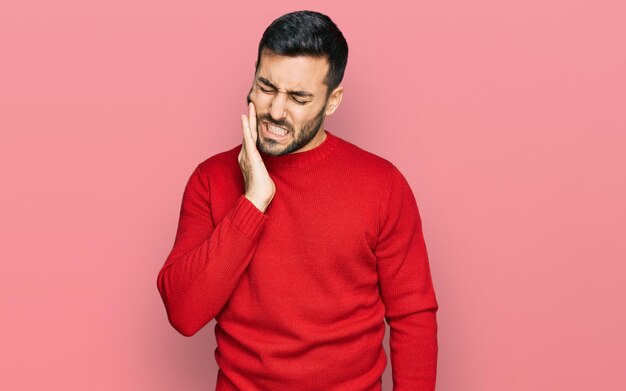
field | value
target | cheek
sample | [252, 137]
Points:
[303, 116]
[252, 95]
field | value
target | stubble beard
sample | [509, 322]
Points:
[303, 137]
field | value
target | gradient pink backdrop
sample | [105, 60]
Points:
[507, 118]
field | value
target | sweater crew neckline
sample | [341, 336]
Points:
[303, 158]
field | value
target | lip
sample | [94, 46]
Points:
[267, 133]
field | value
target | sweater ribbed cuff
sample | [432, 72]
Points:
[248, 218]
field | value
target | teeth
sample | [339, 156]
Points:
[276, 130]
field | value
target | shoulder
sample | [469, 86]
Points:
[373, 165]
[373, 171]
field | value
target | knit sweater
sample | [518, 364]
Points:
[300, 292]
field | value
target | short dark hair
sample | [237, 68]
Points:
[308, 33]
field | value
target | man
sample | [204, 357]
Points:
[300, 243]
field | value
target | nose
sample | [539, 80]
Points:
[277, 109]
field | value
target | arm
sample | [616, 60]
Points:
[407, 290]
[206, 261]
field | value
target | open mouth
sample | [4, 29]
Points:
[273, 130]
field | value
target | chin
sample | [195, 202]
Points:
[271, 149]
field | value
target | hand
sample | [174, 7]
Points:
[260, 188]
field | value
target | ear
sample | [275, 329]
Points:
[334, 100]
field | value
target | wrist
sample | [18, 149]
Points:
[260, 204]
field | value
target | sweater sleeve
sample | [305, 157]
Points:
[207, 260]
[407, 290]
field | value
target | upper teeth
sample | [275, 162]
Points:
[276, 130]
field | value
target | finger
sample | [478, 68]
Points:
[247, 136]
[244, 130]
[252, 120]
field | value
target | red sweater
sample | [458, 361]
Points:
[300, 293]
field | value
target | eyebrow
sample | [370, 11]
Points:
[297, 93]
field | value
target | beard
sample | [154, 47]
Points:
[307, 132]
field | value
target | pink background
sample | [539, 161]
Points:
[507, 118]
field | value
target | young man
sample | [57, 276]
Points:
[299, 243]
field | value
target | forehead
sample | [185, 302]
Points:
[294, 73]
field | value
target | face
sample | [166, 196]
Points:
[289, 96]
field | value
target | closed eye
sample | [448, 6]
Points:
[270, 91]
[264, 90]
